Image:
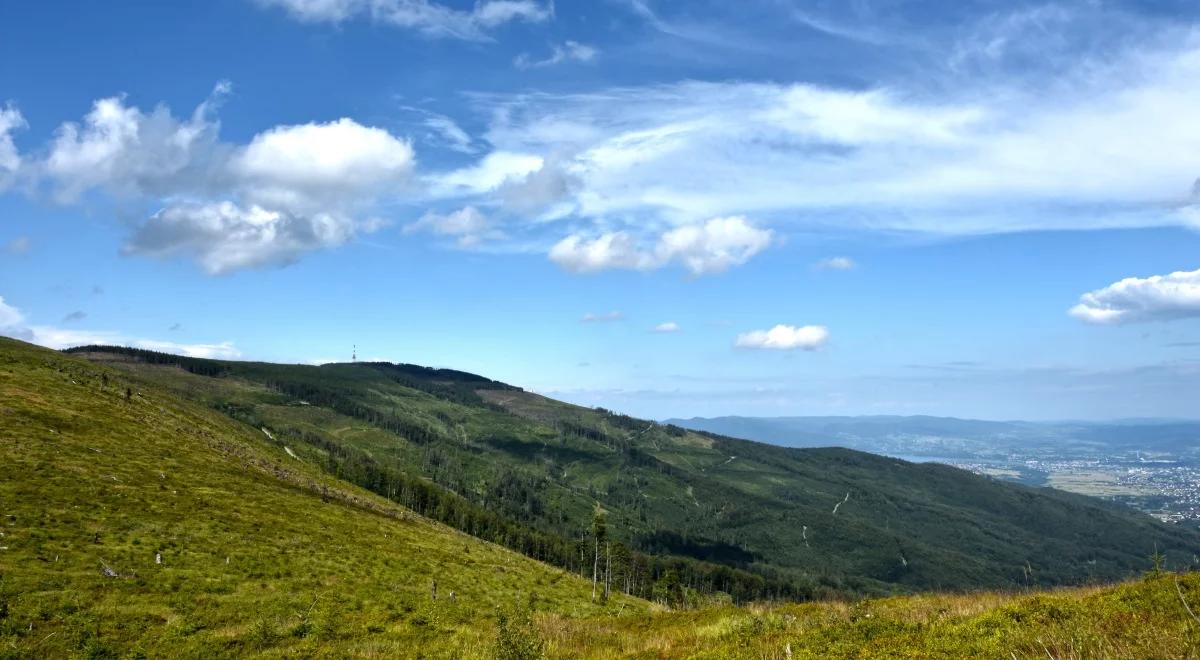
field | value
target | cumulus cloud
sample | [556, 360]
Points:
[835, 263]
[12, 324]
[785, 337]
[568, 51]
[430, 18]
[129, 152]
[1139, 299]
[290, 190]
[669, 326]
[614, 250]
[704, 248]
[310, 164]
[10, 158]
[603, 318]
[714, 246]
[224, 237]
[468, 226]
[76, 315]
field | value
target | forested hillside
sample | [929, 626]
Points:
[137, 523]
[685, 513]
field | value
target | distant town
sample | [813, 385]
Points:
[1167, 488]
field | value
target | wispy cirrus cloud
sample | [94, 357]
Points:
[568, 51]
[635, 177]
[19, 246]
[981, 156]
[11, 121]
[835, 263]
[605, 317]
[430, 18]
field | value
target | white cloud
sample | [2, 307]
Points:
[603, 318]
[544, 188]
[568, 51]
[493, 171]
[1137, 299]
[498, 12]
[292, 165]
[333, 11]
[10, 316]
[468, 226]
[714, 246]
[290, 190]
[835, 263]
[669, 326]
[430, 18]
[12, 324]
[451, 134]
[224, 237]
[614, 250]
[785, 337]
[985, 156]
[704, 248]
[10, 158]
[128, 152]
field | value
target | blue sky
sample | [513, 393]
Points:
[983, 209]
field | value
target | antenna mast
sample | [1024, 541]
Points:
[354, 354]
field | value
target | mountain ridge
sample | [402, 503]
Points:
[139, 523]
[783, 523]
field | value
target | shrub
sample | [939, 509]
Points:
[264, 633]
[517, 638]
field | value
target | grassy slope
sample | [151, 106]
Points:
[260, 552]
[350, 576]
[1143, 619]
[905, 526]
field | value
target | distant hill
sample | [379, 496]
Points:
[723, 515]
[949, 436]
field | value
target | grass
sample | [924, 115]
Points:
[137, 524]
[260, 553]
[545, 465]
[1140, 619]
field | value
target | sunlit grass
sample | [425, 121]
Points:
[1143, 619]
[259, 552]
[217, 543]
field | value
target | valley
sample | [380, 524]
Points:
[1152, 465]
